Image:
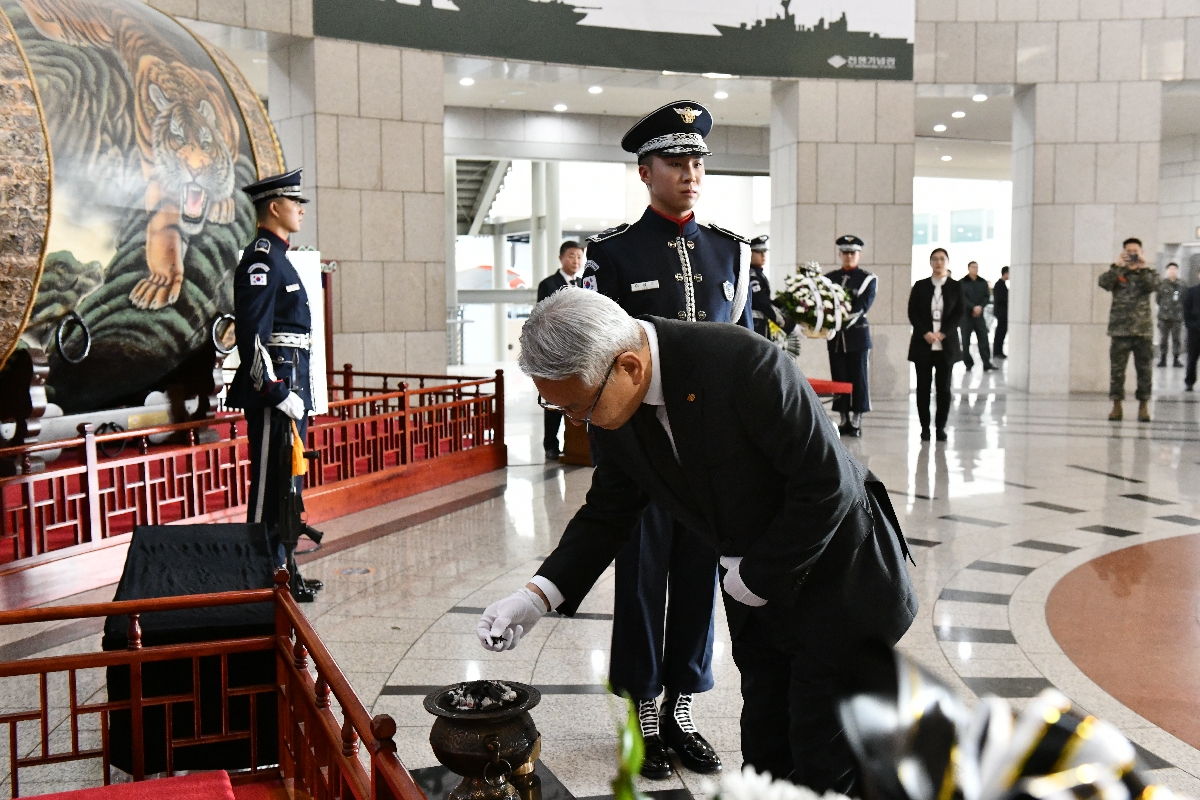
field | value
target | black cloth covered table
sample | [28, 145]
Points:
[175, 560]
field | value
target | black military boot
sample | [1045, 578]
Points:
[680, 734]
[657, 763]
[1162, 362]
[300, 592]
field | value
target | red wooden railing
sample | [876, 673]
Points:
[323, 753]
[377, 423]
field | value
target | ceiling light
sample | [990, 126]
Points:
[979, 98]
[578, 227]
[716, 76]
[560, 107]
[959, 114]
[466, 81]
[939, 128]
[595, 89]
[947, 158]
[671, 72]
[720, 95]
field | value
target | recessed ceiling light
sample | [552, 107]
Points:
[466, 81]
[578, 227]
[720, 95]
[939, 128]
[717, 75]
[595, 89]
[947, 158]
[959, 114]
[979, 98]
[560, 107]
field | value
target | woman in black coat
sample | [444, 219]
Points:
[935, 309]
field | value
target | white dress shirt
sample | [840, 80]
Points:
[936, 309]
[568, 278]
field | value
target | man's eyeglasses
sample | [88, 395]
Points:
[588, 418]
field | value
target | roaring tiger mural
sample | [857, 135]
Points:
[186, 132]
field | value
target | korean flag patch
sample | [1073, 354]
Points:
[258, 280]
[589, 283]
[727, 290]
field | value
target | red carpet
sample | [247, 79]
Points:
[201, 786]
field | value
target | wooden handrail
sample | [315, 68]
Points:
[147, 606]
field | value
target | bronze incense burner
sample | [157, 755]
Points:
[492, 745]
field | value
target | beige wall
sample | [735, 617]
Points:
[1179, 189]
[842, 162]
[1085, 151]
[366, 123]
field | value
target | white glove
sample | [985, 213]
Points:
[505, 621]
[293, 406]
[733, 583]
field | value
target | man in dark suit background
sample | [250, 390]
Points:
[719, 426]
[570, 261]
[1191, 321]
[935, 309]
[1000, 310]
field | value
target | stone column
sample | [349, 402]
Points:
[500, 281]
[537, 221]
[1179, 193]
[554, 232]
[1085, 177]
[842, 162]
[366, 124]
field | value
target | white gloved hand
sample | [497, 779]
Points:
[505, 621]
[293, 406]
[733, 583]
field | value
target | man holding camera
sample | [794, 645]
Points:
[1130, 326]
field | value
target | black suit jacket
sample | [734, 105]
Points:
[920, 314]
[1000, 298]
[762, 475]
[550, 285]
[1191, 308]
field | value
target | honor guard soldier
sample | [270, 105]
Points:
[273, 329]
[850, 347]
[763, 310]
[667, 265]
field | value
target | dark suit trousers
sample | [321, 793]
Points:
[551, 423]
[1193, 354]
[656, 644]
[925, 381]
[978, 326]
[1001, 331]
[851, 368]
[267, 430]
[790, 727]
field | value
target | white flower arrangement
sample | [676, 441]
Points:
[816, 304]
[751, 785]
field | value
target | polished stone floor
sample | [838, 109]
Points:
[1026, 490]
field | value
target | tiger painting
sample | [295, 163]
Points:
[186, 132]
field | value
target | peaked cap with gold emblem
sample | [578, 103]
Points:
[675, 129]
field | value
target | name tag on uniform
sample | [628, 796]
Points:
[292, 287]
[643, 286]
[258, 280]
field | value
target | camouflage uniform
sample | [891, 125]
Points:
[1130, 326]
[1170, 319]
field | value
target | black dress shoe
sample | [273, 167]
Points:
[1162, 363]
[657, 763]
[941, 434]
[850, 430]
[680, 734]
[301, 593]
[313, 583]
[553, 455]
[924, 434]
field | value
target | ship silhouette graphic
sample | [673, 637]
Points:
[541, 30]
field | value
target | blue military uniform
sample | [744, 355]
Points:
[273, 325]
[763, 310]
[850, 348]
[675, 269]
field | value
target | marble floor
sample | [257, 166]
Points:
[1025, 490]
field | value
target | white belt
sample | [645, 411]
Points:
[297, 340]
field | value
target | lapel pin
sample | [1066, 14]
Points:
[691, 397]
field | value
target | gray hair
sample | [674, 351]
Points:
[576, 332]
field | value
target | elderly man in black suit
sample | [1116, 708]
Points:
[936, 310]
[570, 261]
[720, 427]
